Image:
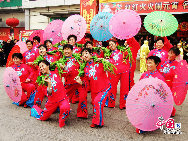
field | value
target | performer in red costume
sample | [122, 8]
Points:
[28, 58]
[122, 74]
[98, 53]
[43, 52]
[49, 45]
[152, 63]
[74, 91]
[56, 96]
[159, 50]
[39, 96]
[25, 74]
[99, 84]
[36, 41]
[134, 46]
[72, 41]
[168, 67]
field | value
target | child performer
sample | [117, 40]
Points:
[25, 74]
[72, 41]
[56, 95]
[75, 91]
[99, 84]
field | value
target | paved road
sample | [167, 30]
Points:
[17, 125]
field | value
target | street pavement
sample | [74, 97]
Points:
[17, 125]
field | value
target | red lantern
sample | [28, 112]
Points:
[12, 22]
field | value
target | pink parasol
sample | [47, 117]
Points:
[148, 100]
[53, 31]
[12, 84]
[74, 25]
[23, 46]
[180, 83]
[37, 33]
[125, 24]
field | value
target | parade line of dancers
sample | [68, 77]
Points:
[85, 69]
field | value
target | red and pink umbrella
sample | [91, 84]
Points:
[12, 85]
[125, 24]
[37, 33]
[148, 100]
[53, 31]
[20, 47]
[74, 25]
[180, 83]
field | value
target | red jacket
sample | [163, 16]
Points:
[29, 56]
[167, 69]
[72, 72]
[154, 74]
[98, 80]
[23, 71]
[76, 49]
[162, 54]
[58, 90]
[116, 59]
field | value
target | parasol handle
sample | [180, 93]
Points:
[153, 105]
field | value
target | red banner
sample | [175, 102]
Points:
[88, 9]
[147, 6]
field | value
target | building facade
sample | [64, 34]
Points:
[38, 13]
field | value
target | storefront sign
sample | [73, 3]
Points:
[148, 6]
[88, 9]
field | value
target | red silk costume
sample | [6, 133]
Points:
[58, 98]
[167, 70]
[75, 91]
[100, 86]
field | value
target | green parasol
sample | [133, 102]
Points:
[160, 23]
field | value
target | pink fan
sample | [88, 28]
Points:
[148, 100]
[12, 84]
[37, 33]
[23, 46]
[74, 25]
[53, 31]
[125, 24]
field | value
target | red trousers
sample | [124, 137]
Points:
[72, 92]
[81, 91]
[98, 106]
[124, 89]
[29, 88]
[39, 96]
[50, 107]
